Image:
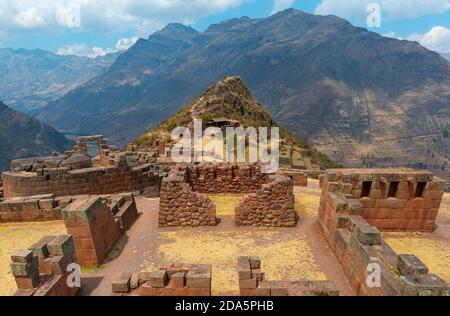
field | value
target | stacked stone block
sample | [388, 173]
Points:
[181, 206]
[100, 180]
[31, 209]
[173, 280]
[270, 206]
[393, 200]
[358, 246]
[299, 178]
[225, 178]
[94, 229]
[252, 282]
[42, 269]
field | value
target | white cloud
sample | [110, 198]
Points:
[106, 16]
[84, 50]
[390, 9]
[281, 5]
[437, 39]
[125, 43]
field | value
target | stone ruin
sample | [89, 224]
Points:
[252, 282]
[42, 269]
[176, 279]
[389, 199]
[74, 173]
[358, 245]
[96, 223]
[183, 199]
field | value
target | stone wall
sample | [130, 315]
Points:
[173, 280]
[96, 224]
[42, 269]
[270, 206]
[181, 206]
[252, 282]
[392, 199]
[100, 180]
[358, 246]
[32, 209]
[299, 178]
[225, 178]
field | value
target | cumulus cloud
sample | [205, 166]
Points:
[84, 50]
[125, 43]
[391, 9]
[281, 5]
[105, 15]
[437, 39]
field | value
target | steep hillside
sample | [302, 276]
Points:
[231, 99]
[31, 78]
[361, 98]
[22, 136]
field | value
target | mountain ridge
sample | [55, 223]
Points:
[347, 91]
[22, 136]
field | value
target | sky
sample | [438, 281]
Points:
[97, 27]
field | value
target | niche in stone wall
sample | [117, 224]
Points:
[366, 188]
[393, 189]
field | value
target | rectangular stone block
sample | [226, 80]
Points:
[122, 283]
[263, 289]
[198, 279]
[278, 288]
[28, 282]
[248, 284]
[411, 265]
[178, 280]
[40, 248]
[61, 246]
[47, 203]
[158, 279]
[255, 262]
[368, 235]
[25, 269]
[23, 256]
[244, 270]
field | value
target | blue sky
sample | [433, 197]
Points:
[104, 26]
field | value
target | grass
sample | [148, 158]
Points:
[19, 236]
[225, 204]
[434, 253]
[284, 256]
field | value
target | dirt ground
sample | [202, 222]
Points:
[286, 253]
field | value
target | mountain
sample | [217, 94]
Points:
[361, 98]
[22, 136]
[446, 56]
[31, 78]
[230, 100]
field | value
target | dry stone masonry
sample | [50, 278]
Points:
[270, 206]
[75, 173]
[176, 279]
[389, 199]
[252, 282]
[96, 223]
[358, 245]
[42, 269]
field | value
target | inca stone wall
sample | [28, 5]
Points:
[174, 280]
[270, 206]
[391, 199]
[96, 224]
[225, 178]
[181, 206]
[358, 246]
[252, 282]
[100, 180]
[42, 269]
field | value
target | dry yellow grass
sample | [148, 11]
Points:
[434, 253]
[225, 204]
[444, 211]
[19, 236]
[284, 257]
